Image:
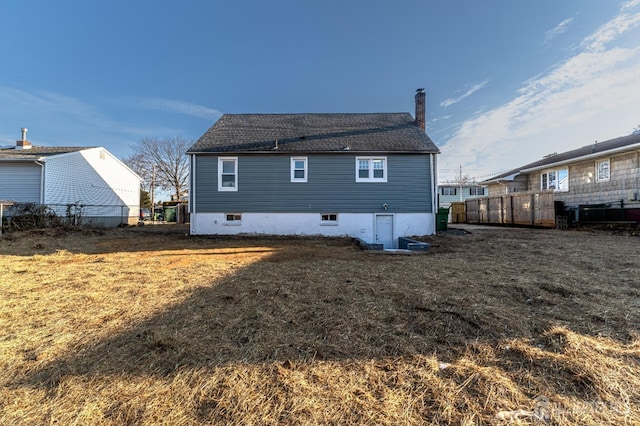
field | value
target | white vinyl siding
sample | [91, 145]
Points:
[20, 182]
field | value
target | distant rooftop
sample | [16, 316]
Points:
[564, 157]
[35, 152]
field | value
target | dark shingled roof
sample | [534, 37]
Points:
[300, 133]
[36, 152]
[576, 154]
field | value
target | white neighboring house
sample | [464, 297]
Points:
[450, 192]
[88, 181]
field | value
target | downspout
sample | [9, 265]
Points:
[434, 185]
[41, 179]
[192, 192]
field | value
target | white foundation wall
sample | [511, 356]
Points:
[359, 225]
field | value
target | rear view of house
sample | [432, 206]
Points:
[90, 180]
[371, 176]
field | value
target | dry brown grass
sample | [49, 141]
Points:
[149, 326]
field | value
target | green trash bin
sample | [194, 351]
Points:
[442, 219]
[170, 214]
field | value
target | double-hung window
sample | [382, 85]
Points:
[371, 169]
[447, 190]
[227, 173]
[299, 170]
[603, 170]
[556, 180]
[476, 190]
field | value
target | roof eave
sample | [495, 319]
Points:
[605, 153]
[310, 152]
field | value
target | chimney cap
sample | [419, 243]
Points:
[420, 90]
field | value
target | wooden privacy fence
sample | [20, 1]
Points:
[535, 209]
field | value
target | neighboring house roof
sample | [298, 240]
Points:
[597, 149]
[457, 185]
[298, 133]
[36, 152]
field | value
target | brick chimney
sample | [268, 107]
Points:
[420, 109]
[24, 143]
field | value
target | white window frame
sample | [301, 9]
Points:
[328, 219]
[448, 190]
[305, 169]
[221, 160]
[600, 178]
[370, 177]
[473, 191]
[544, 180]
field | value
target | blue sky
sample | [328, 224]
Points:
[507, 81]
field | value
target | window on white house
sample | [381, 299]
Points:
[603, 170]
[299, 169]
[476, 191]
[227, 173]
[556, 180]
[329, 218]
[448, 191]
[371, 169]
[234, 218]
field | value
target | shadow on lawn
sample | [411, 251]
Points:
[291, 306]
[149, 238]
[338, 304]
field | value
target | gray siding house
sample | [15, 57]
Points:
[604, 174]
[371, 176]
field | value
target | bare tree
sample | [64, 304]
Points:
[462, 179]
[162, 162]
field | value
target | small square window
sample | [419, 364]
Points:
[233, 217]
[329, 217]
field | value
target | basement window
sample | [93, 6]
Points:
[233, 218]
[329, 218]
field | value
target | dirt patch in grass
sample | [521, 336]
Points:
[149, 325]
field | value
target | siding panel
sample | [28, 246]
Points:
[20, 182]
[264, 186]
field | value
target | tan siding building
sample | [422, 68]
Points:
[605, 173]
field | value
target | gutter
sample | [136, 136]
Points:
[628, 148]
[343, 151]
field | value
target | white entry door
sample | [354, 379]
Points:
[384, 230]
